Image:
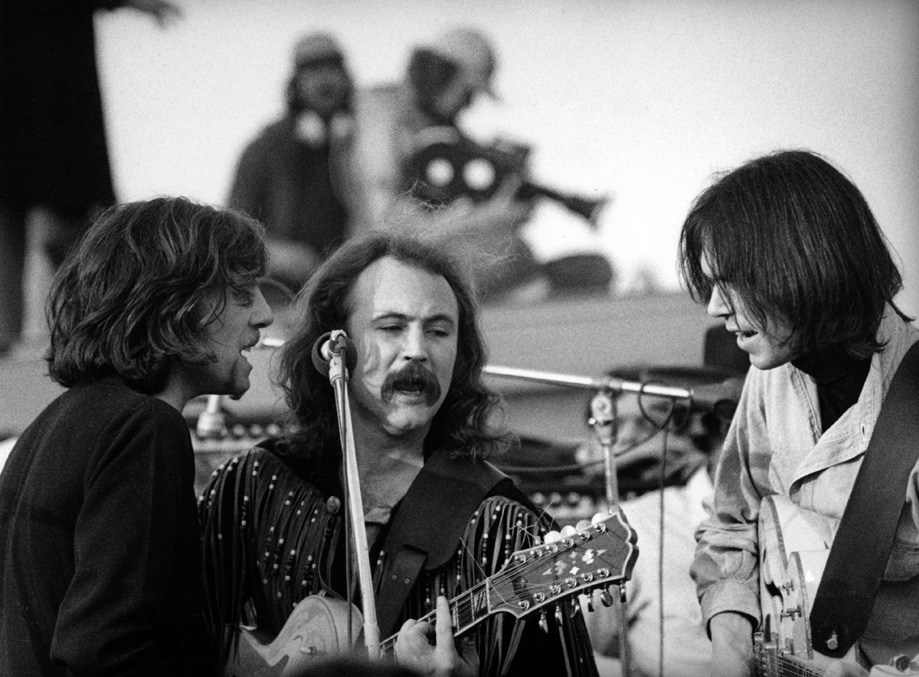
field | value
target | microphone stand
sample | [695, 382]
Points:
[338, 377]
[603, 422]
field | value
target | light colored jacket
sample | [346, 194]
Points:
[775, 446]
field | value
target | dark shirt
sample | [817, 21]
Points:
[839, 378]
[100, 567]
[292, 188]
[274, 535]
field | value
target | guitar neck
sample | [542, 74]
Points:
[772, 665]
[466, 611]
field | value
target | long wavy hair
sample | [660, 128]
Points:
[135, 295]
[796, 241]
[463, 424]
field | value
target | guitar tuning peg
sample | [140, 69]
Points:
[606, 599]
[543, 622]
[551, 537]
[582, 525]
[588, 602]
[573, 609]
[602, 516]
[568, 530]
[558, 614]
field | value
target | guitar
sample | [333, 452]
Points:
[794, 546]
[601, 554]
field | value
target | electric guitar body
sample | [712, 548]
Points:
[794, 547]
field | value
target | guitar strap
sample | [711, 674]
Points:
[858, 556]
[428, 525]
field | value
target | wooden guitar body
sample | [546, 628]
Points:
[317, 628]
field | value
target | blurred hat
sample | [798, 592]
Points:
[315, 47]
[472, 52]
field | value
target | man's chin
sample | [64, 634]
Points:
[407, 422]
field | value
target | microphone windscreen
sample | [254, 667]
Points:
[323, 350]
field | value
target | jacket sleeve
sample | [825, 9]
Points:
[726, 564]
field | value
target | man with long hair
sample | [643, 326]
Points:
[788, 254]
[100, 569]
[295, 176]
[273, 518]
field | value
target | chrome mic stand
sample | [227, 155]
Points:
[603, 422]
[335, 352]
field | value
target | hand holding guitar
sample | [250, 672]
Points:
[414, 648]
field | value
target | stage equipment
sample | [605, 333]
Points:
[445, 165]
[720, 397]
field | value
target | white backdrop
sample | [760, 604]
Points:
[639, 99]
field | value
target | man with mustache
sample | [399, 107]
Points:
[273, 517]
[295, 175]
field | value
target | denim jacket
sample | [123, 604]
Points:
[775, 446]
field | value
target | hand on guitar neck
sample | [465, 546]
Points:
[414, 648]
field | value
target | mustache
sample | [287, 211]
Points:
[412, 377]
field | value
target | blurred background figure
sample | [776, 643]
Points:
[398, 121]
[295, 177]
[54, 161]
[669, 454]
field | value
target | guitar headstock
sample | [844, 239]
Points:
[595, 554]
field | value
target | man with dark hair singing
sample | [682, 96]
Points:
[273, 517]
[100, 569]
[788, 254]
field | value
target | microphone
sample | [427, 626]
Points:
[719, 399]
[327, 346]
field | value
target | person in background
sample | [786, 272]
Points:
[296, 175]
[422, 426]
[443, 79]
[100, 551]
[666, 454]
[54, 162]
[788, 255]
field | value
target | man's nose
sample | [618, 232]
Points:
[262, 315]
[415, 346]
[717, 304]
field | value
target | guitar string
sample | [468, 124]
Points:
[463, 606]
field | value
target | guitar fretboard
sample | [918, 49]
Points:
[469, 607]
[770, 664]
